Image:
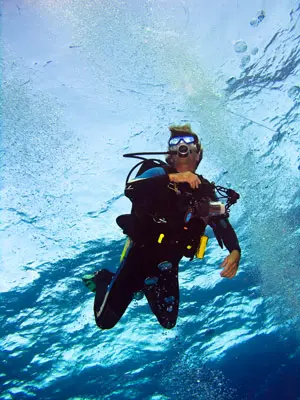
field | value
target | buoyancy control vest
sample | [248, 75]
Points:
[159, 208]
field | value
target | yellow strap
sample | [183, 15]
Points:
[125, 248]
[202, 246]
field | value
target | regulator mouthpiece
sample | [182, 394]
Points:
[183, 151]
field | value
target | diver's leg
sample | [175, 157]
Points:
[163, 296]
[103, 276]
[102, 280]
[111, 303]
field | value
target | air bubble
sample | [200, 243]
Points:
[240, 46]
[294, 93]
[260, 16]
[245, 60]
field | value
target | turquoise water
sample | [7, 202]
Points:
[82, 84]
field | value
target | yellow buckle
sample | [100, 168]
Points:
[160, 238]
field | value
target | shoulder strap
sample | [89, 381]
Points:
[151, 163]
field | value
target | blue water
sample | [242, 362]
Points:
[82, 84]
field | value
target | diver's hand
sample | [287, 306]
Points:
[230, 264]
[181, 177]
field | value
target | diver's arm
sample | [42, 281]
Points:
[225, 233]
[223, 230]
[186, 177]
[153, 180]
[230, 265]
[157, 179]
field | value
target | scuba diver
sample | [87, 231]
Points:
[171, 207]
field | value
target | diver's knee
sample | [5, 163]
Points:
[107, 320]
[104, 327]
[105, 324]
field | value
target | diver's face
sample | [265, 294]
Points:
[186, 158]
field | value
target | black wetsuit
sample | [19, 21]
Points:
[159, 239]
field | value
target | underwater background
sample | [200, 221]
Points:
[84, 82]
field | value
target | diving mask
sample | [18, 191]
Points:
[183, 145]
[174, 141]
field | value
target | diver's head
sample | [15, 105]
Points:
[186, 147]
